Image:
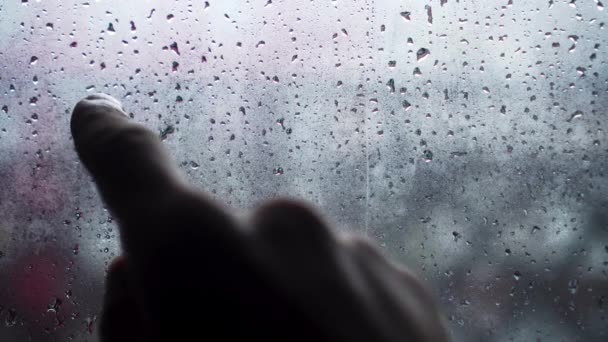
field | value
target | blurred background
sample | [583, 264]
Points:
[467, 138]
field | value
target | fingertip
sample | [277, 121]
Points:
[101, 99]
[93, 108]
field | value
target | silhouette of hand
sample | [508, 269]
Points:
[189, 270]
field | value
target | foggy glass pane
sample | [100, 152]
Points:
[467, 138]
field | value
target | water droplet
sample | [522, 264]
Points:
[54, 306]
[111, 28]
[406, 15]
[516, 275]
[429, 14]
[90, 322]
[581, 71]
[260, 44]
[391, 85]
[11, 318]
[422, 53]
[165, 132]
[174, 48]
[428, 156]
[577, 114]
[573, 286]
[33, 60]
[278, 171]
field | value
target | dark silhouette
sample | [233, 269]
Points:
[190, 269]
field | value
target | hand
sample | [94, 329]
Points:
[190, 271]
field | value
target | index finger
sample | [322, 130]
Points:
[135, 175]
[127, 161]
[167, 228]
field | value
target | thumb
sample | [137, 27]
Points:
[120, 319]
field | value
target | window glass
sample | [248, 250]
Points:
[467, 138]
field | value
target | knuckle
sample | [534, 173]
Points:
[291, 219]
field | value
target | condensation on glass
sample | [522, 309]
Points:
[468, 138]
